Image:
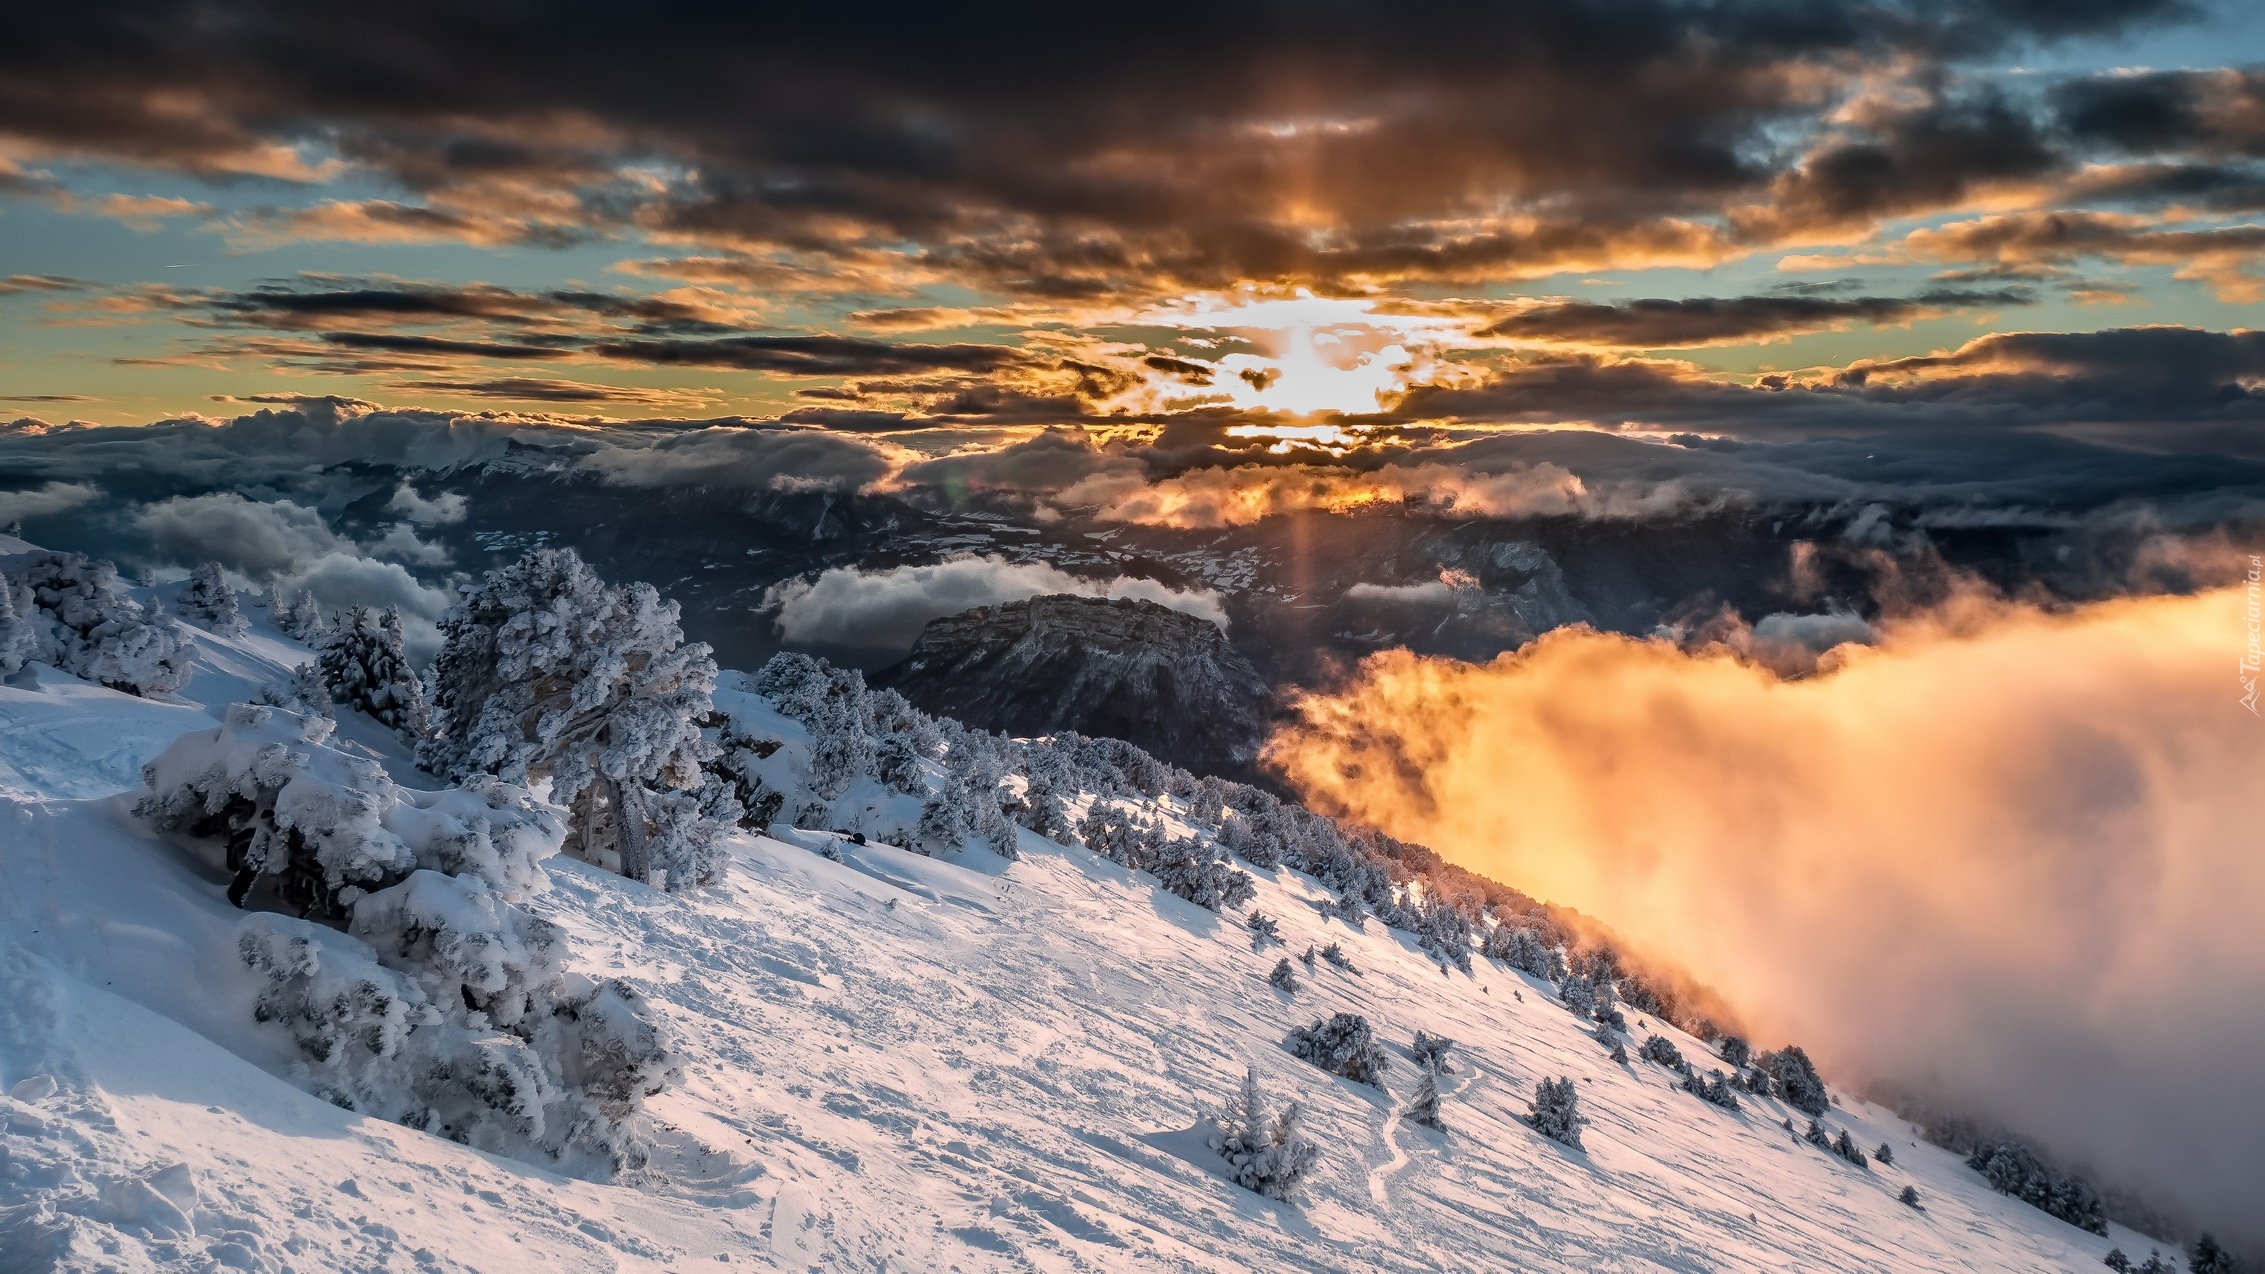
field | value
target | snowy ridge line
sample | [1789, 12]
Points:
[786, 1028]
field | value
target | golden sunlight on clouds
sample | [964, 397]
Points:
[1979, 842]
[1319, 354]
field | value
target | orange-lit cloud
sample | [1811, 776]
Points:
[2000, 836]
[1217, 497]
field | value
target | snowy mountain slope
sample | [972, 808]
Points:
[891, 1061]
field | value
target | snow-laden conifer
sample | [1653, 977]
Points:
[365, 664]
[1795, 1079]
[96, 632]
[1423, 1106]
[1556, 1112]
[1265, 1152]
[1284, 978]
[548, 671]
[209, 600]
[1660, 1050]
[1343, 1045]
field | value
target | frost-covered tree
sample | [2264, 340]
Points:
[1910, 1199]
[365, 665]
[2155, 1264]
[210, 601]
[2206, 1257]
[2012, 1168]
[1423, 1107]
[831, 704]
[96, 632]
[1284, 978]
[1336, 956]
[1885, 1154]
[22, 636]
[1556, 1112]
[1735, 1050]
[1343, 1045]
[1607, 1007]
[1431, 1050]
[1265, 1152]
[1265, 930]
[302, 619]
[1520, 948]
[1659, 1049]
[319, 828]
[1578, 994]
[546, 671]
[1795, 1079]
[304, 692]
[1711, 1088]
[1194, 871]
[1845, 1146]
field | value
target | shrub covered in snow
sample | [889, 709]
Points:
[1556, 1112]
[1795, 1079]
[300, 617]
[1284, 978]
[210, 601]
[1343, 1045]
[1658, 1049]
[1578, 994]
[1264, 930]
[1265, 1152]
[456, 1019]
[303, 693]
[98, 633]
[547, 671]
[1431, 1050]
[318, 829]
[2013, 1168]
[1711, 1088]
[22, 635]
[1336, 956]
[365, 664]
[1735, 1050]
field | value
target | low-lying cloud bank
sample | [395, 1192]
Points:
[886, 609]
[2004, 857]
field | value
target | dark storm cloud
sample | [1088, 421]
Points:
[317, 301]
[2145, 378]
[1058, 155]
[1660, 324]
[2216, 112]
[811, 355]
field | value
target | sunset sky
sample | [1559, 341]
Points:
[1332, 224]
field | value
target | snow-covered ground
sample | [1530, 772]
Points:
[891, 1062]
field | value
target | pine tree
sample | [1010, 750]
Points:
[1284, 978]
[1556, 1112]
[1264, 1153]
[2115, 1260]
[547, 671]
[1796, 1079]
[1660, 1050]
[2155, 1264]
[1423, 1108]
[1845, 1146]
[2206, 1257]
[1885, 1154]
[210, 600]
[1336, 956]
[302, 619]
[1735, 1050]
[365, 664]
[1265, 930]
[1910, 1199]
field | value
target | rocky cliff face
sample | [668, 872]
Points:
[1126, 669]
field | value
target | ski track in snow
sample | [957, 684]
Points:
[891, 1063]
